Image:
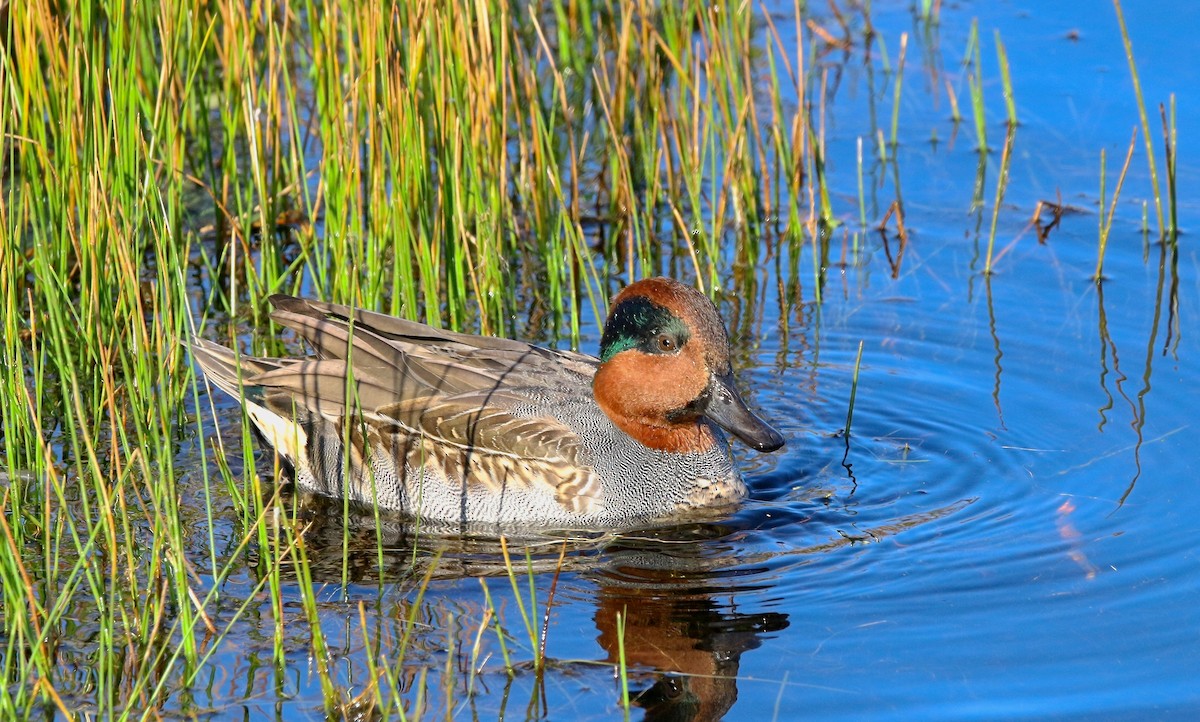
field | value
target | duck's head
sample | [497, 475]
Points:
[665, 373]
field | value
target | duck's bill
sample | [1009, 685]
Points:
[727, 410]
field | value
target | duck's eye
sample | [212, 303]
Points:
[666, 343]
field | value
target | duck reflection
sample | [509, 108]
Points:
[691, 643]
[674, 588]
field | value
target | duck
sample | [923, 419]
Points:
[462, 429]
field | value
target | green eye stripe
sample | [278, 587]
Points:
[637, 323]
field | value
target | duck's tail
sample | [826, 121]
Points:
[235, 374]
[230, 371]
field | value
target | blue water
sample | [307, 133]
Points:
[1008, 530]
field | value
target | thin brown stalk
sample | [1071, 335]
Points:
[897, 211]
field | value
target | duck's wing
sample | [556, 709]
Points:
[478, 441]
[288, 399]
[398, 351]
[432, 400]
[317, 385]
[475, 440]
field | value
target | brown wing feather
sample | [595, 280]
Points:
[368, 351]
[447, 362]
[322, 386]
[481, 443]
[432, 399]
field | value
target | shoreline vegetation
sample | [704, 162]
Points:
[171, 164]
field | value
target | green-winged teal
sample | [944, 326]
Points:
[469, 429]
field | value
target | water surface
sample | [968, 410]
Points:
[1006, 533]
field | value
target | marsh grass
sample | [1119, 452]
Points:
[1169, 149]
[1001, 186]
[894, 141]
[1165, 232]
[622, 667]
[1010, 102]
[491, 166]
[1106, 219]
[853, 391]
[975, 83]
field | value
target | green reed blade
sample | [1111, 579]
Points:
[1146, 136]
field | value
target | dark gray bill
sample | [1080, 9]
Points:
[727, 410]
